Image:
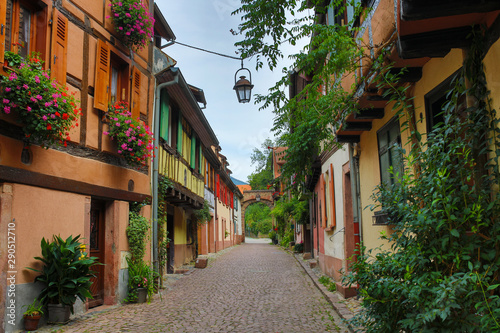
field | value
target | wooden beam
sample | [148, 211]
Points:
[21, 176]
[355, 126]
[348, 138]
[412, 10]
[436, 43]
[407, 74]
[375, 113]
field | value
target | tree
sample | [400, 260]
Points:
[443, 270]
[304, 123]
[258, 218]
[263, 175]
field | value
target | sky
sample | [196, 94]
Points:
[206, 24]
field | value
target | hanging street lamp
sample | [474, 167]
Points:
[243, 87]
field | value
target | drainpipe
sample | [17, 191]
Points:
[355, 190]
[155, 175]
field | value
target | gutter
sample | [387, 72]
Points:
[155, 175]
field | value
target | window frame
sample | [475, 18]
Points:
[388, 148]
[38, 28]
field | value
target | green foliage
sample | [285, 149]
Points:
[263, 176]
[140, 275]
[321, 105]
[328, 283]
[202, 216]
[442, 273]
[258, 218]
[273, 235]
[33, 309]
[44, 107]
[137, 232]
[66, 272]
[287, 238]
[298, 247]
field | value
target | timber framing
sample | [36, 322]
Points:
[21, 176]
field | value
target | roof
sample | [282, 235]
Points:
[161, 25]
[182, 94]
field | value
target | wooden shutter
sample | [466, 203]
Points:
[59, 50]
[332, 197]
[3, 13]
[136, 93]
[102, 69]
[232, 200]
[218, 186]
[323, 196]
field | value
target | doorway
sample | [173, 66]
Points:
[96, 245]
[171, 247]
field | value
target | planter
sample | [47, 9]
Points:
[31, 322]
[275, 241]
[58, 313]
[142, 295]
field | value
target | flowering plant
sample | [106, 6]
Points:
[133, 22]
[45, 108]
[143, 283]
[134, 139]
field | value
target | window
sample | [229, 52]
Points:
[24, 27]
[112, 79]
[434, 102]
[389, 143]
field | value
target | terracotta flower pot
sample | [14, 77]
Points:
[31, 322]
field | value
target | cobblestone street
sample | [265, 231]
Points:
[250, 288]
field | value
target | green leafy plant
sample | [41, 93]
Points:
[33, 309]
[328, 283]
[66, 272]
[45, 108]
[133, 22]
[140, 275]
[299, 247]
[202, 216]
[442, 273]
[137, 234]
[133, 137]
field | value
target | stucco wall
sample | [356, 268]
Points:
[334, 239]
[434, 72]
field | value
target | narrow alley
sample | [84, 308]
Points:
[253, 287]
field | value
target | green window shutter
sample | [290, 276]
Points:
[164, 115]
[193, 152]
[179, 135]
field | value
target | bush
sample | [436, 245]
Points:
[66, 272]
[44, 107]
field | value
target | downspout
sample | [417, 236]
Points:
[154, 182]
[355, 190]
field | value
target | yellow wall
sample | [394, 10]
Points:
[180, 227]
[434, 72]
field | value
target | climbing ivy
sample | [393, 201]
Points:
[442, 272]
[137, 234]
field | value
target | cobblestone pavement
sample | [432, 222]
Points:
[250, 288]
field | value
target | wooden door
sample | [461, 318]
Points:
[97, 250]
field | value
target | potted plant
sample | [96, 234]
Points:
[141, 285]
[66, 275]
[32, 315]
[45, 108]
[133, 137]
[133, 22]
